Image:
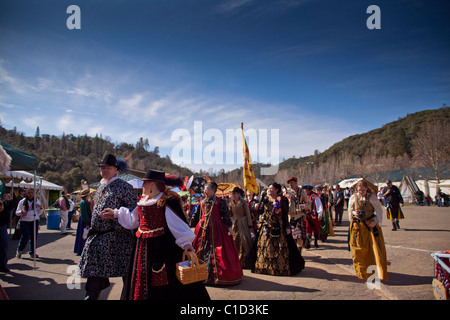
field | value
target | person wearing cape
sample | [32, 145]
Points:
[213, 241]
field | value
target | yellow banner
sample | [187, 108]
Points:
[249, 175]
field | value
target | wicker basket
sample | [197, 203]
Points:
[196, 271]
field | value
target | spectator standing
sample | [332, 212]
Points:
[5, 216]
[83, 222]
[347, 195]
[29, 211]
[70, 213]
[394, 202]
[338, 205]
[64, 206]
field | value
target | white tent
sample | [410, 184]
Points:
[408, 189]
[44, 185]
[19, 174]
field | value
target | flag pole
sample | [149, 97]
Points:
[247, 172]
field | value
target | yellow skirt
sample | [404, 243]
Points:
[367, 250]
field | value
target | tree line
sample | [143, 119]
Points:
[68, 159]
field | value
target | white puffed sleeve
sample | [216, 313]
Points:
[180, 230]
[378, 208]
[127, 219]
[319, 206]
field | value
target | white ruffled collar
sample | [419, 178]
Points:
[104, 182]
[145, 201]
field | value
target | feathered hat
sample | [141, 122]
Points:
[163, 178]
[111, 160]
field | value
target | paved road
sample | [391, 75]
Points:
[328, 274]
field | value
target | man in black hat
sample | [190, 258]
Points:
[394, 201]
[107, 251]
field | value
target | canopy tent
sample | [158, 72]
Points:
[20, 160]
[424, 177]
[44, 185]
[409, 189]
[17, 176]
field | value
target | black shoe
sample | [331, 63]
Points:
[394, 226]
[4, 269]
[398, 224]
[306, 244]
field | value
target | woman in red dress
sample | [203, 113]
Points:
[213, 242]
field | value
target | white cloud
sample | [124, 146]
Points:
[33, 122]
[86, 105]
[10, 81]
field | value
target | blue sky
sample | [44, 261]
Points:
[310, 69]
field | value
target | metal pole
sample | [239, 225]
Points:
[34, 223]
[11, 213]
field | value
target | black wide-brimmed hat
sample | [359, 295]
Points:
[109, 160]
[155, 175]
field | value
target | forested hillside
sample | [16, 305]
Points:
[68, 159]
[418, 139]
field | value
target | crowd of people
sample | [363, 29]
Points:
[141, 239]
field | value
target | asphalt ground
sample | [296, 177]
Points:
[328, 274]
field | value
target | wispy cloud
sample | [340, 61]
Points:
[11, 82]
[257, 8]
[232, 5]
[85, 105]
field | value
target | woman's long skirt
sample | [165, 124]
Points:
[152, 273]
[368, 251]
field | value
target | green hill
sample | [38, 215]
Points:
[68, 159]
[390, 147]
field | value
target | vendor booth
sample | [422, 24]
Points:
[17, 159]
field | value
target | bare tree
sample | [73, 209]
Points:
[431, 146]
